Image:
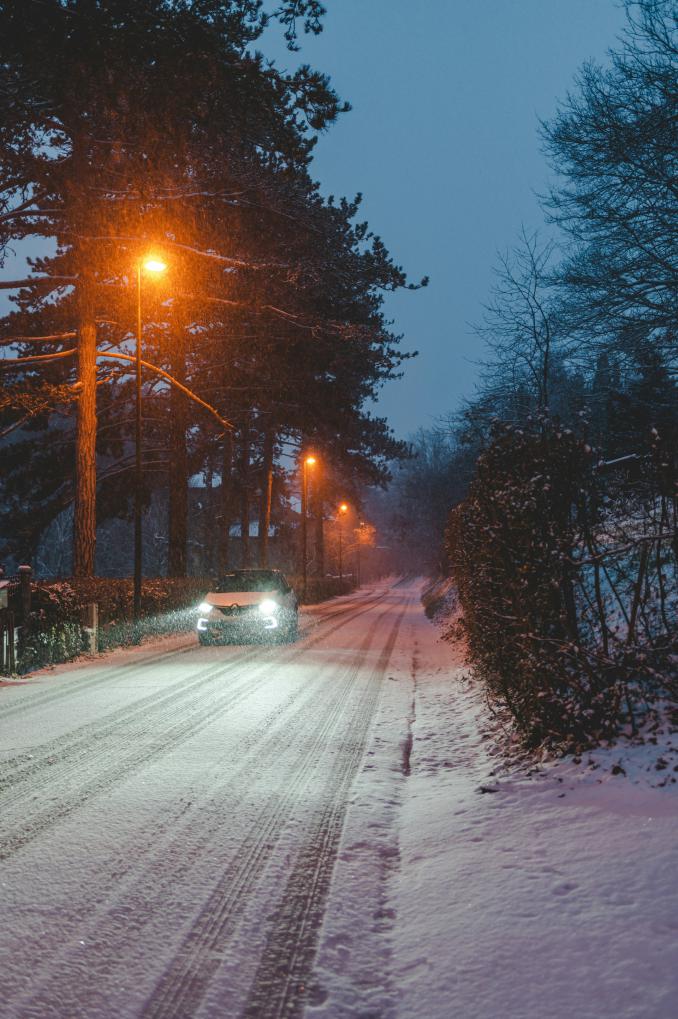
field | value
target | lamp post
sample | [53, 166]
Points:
[309, 461]
[152, 265]
[343, 509]
[357, 549]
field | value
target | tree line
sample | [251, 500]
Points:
[163, 128]
[564, 466]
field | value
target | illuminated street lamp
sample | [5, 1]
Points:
[155, 266]
[309, 461]
[343, 510]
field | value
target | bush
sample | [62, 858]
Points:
[49, 646]
[55, 633]
[566, 614]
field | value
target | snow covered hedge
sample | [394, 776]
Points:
[566, 570]
[55, 634]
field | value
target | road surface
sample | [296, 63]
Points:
[170, 818]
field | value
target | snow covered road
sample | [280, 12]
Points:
[170, 818]
[328, 830]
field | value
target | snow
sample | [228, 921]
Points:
[171, 791]
[505, 888]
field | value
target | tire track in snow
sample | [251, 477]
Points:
[185, 984]
[260, 839]
[101, 675]
[116, 672]
[279, 985]
[75, 793]
[24, 766]
[97, 739]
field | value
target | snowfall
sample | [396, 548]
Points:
[510, 887]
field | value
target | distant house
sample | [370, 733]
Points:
[235, 530]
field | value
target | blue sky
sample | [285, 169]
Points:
[443, 143]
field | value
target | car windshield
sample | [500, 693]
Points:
[259, 580]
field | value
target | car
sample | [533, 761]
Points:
[248, 604]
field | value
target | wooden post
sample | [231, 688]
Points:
[90, 624]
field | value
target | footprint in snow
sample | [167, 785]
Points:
[565, 888]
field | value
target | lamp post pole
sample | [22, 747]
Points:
[343, 508]
[359, 536]
[304, 511]
[137, 462]
[153, 265]
[308, 461]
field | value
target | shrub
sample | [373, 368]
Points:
[565, 621]
[55, 634]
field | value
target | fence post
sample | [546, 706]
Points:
[25, 587]
[11, 661]
[90, 624]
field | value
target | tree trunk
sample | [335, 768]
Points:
[226, 494]
[245, 491]
[178, 465]
[266, 491]
[85, 518]
[319, 528]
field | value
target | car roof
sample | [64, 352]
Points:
[254, 569]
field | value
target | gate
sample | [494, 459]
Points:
[15, 607]
[7, 662]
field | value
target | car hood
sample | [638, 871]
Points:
[238, 598]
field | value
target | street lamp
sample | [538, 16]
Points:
[155, 266]
[359, 535]
[309, 461]
[343, 510]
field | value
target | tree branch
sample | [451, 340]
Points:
[169, 378]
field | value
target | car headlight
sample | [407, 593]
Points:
[204, 607]
[268, 607]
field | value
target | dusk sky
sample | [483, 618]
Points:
[443, 142]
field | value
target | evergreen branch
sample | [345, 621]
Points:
[33, 281]
[174, 382]
[7, 340]
[4, 361]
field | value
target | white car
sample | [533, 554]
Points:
[248, 604]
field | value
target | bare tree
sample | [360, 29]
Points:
[520, 324]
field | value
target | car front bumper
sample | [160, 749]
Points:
[250, 624]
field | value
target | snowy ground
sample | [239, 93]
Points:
[170, 817]
[327, 829]
[508, 891]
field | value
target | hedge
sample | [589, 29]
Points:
[55, 633]
[566, 573]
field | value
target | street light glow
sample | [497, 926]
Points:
[310, 460]
[154, 265]
[343, 508]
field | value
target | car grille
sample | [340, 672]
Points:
[236, 610]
